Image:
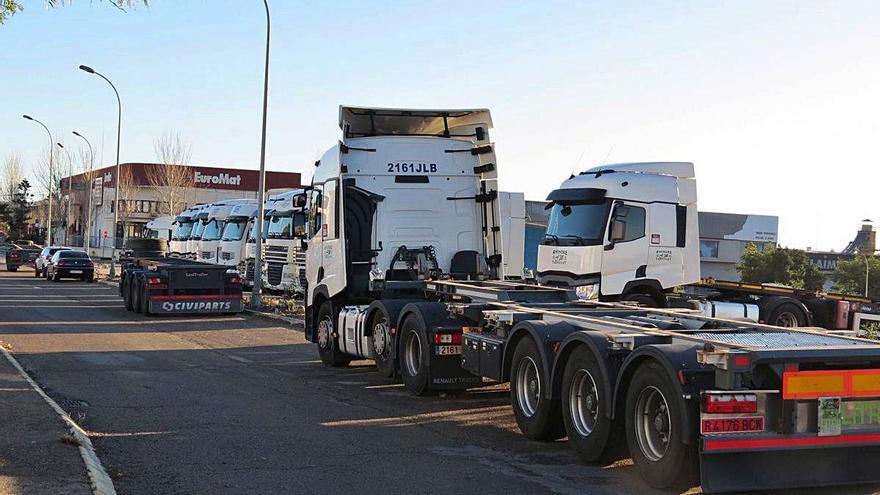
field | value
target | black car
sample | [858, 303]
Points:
[68, 263]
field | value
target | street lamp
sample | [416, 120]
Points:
[88, 69]
[256, 294]
[51, 179]
[90, 178]
[69, 192]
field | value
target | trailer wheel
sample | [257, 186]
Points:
[652, 428]
[787, 315]
[414, 357]
[126, 293]
[583, 400]
[135, 296]
[642, 299]
[383, 346]
[11, 268]
[537, 416]
[145, 303]
[328, 349]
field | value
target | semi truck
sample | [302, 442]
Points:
[234, 239]
[403, 267]
[194, 240]
[159, 228]
[182, 231]
[208, 249]
[657, 261]
[284, 259]
[246, 265]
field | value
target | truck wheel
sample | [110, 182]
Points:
[537, 416]
[643, 300]
[145, 303]
[126, 293]
[383, 346]
[653, 409]
[414, 357]
[135, 296]
[787, 315]
[326, 329]
[583, 403]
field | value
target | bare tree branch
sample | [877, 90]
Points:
[11, 176]
[171, 177]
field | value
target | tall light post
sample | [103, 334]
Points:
[51, 179]
[257, 295]
[69, 191]
[88, 69]
[86, 238]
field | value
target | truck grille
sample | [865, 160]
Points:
[226, 256]
[302, 278]
[249, 270]
[277, 254]
[273, 272]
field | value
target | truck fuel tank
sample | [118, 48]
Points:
[728, 310]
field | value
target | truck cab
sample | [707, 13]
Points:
[623, 231]
[284, 259]
[209, 245]
[193, 242]
[406, 196]
[182, 228]
[234, 239]
[159, 228]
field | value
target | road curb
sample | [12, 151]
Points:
[275, 317]
[98, 478]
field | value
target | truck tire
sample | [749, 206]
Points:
[787, 314]
[652, 428]
[125, 287]
[145, 304]
[642, 299]
[325, 331]
[383, 346]
[11, 268]
[538, 417]
[583, 404]
[414, 356]
[135, 295]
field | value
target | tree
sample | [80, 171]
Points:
[779, 266]
[849, 276]
[171, 177]
[11, 176]
[14, 213]
[127, 189]
[8, 8]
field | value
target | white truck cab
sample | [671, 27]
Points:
[623, 229]
[182, 229]
[234, 238]
[209, 245]
[284, 260]
[406, 196]
[200, 220]
[246, 265]
[159, 228]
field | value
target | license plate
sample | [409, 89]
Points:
[838, 415]
[448, 350]
[76, 271]
[732, 425]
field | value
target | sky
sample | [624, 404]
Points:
[776, 102]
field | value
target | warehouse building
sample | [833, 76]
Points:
[147, 191]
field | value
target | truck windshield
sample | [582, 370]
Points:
[181, 231]
[577, 225]
[252, 237]
[286, 226]
[197, 230]
[234, 230]
[213, 230]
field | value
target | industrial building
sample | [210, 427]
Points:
[141, 199]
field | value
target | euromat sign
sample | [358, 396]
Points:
[204, 177]
[221, 178]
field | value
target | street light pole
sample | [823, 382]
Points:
[86, 238]
[69, 181]
[51, 179]
[88, 69]
[256, 294]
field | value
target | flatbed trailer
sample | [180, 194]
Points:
[751, 406]
[170, 286]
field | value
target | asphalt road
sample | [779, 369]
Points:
[242, 405]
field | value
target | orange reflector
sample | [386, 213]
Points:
[832, 383]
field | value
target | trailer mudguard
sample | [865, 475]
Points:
[548, 336]
[674, 358]
[599, 346]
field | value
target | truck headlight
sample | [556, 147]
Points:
[587, 292]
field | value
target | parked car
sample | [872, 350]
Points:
[68, 263]
[45, 258]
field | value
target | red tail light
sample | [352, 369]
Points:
[730, 403]
[61, 263]
[48, 258]
[447, 338]
[234, 280]
[154, 283]
[13, 255]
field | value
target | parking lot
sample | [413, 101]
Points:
[242, 405]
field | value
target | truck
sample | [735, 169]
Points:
[284, 259]
[241, 219]
[154, 284]
[657, 262]
[182, 231]
[159, 228]
[403, 267]
[194, 240]
[209, 245]
[246, 265]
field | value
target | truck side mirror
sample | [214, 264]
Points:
[618, 230]
[303, 245]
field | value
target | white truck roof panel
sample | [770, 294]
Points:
[682, 170]
[365, 121]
